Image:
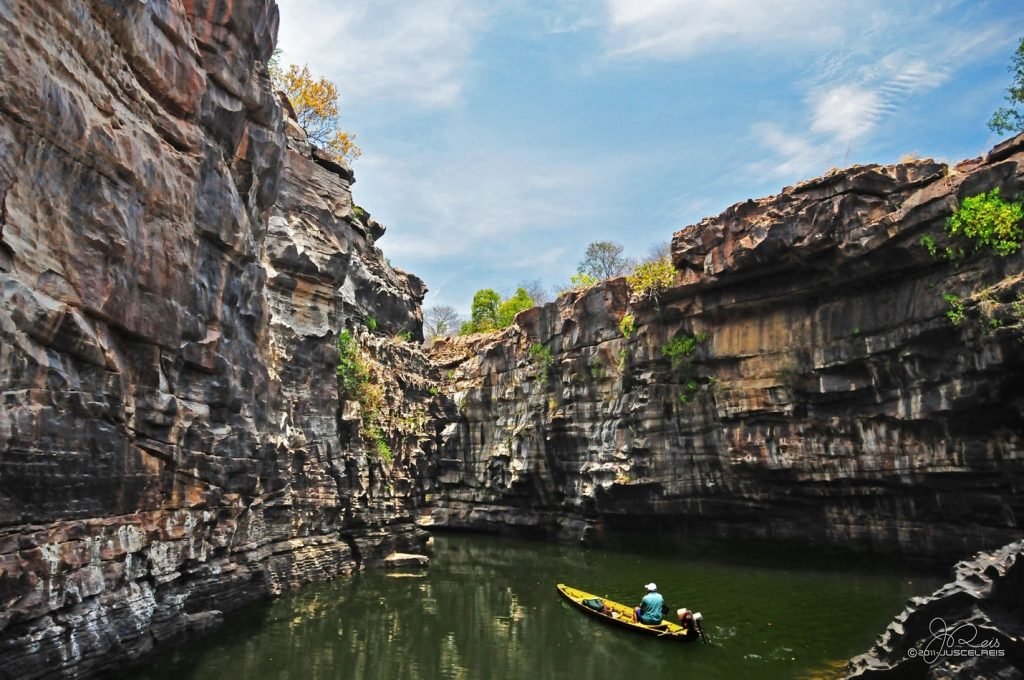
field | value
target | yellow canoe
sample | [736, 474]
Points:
[622, 615]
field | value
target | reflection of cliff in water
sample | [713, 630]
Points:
[488, 608]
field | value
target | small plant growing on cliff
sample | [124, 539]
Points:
[352, 374]
[359, 213]
[680, 349]
[1017, 307]
[955, 313]
[315, 102]
[930, 244]
[354, 383]
[627, 325]
[379, 444]
[650, 279]
[989, 221]
[543, 357]
[371, 324]
[690, 388]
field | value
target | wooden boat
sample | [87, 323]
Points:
[622, 615]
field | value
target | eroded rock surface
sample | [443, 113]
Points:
[827, 397]
[175, 265]
[971, 627]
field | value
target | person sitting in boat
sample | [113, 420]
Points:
[685, 618]
[650, 609]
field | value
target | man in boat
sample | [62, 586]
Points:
[685, 618]
[650, 609]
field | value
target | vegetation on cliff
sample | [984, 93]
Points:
[604, 260]
[987, 221]
[315, 101]
[490, 312]
[1009, 119]
[984, 223]
[652, 278]
[354, 382]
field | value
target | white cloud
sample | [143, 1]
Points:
[411, 50]
[792, 155]
[846, 113]
[496, 204]
[851, 98]
[678, 28]
[492, 217]
[842, 116]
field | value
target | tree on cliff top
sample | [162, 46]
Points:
[1011, 118]
[489, 312]
[316, 107]
[604, 260]
[439, 321]
[483, 315]
[517, 302]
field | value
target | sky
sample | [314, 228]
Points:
[500, 137]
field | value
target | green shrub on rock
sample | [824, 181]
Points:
[544, 358]
[680, 349]
[351, 371]
[653, 277]
[989, 221]
[627, 325]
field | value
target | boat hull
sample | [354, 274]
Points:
[621, 615]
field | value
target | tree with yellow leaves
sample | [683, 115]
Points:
[316, 106]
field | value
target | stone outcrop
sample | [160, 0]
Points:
[175, 265]
[820, 390]
[969, 628]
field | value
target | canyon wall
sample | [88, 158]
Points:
[833, 381]
[176, 263]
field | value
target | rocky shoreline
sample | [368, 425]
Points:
[971, 627]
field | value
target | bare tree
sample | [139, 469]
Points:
[537, 291]
[604, 260]
[440, 321]
[659, 251]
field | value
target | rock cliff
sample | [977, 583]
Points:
[176, 263]
[801, 378]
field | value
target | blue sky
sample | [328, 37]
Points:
[499, 137]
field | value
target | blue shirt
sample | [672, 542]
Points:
[650, 608]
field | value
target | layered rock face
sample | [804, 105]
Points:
[175, 264]
[969, 628]
[819, 390]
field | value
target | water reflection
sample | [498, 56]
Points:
[488, 609]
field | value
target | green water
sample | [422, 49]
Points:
[487, 608]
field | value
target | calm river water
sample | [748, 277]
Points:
[487, 609]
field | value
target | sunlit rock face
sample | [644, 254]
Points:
[828, 397]
[175, 265]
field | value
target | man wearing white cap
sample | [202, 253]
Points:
[649, 611]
